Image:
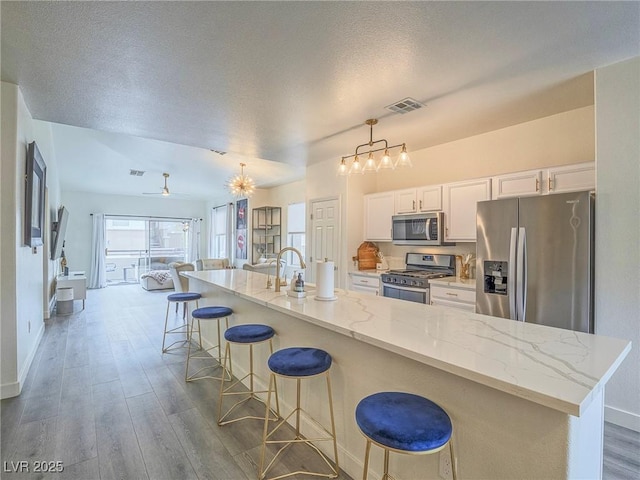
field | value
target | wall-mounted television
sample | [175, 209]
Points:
[59, 232]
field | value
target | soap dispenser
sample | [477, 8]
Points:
[299, 284]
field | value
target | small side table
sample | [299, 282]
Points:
[78, 282]
[126, 273]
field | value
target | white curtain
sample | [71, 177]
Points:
[194, 240]
[98, 272]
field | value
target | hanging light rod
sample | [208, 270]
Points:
[370, 164]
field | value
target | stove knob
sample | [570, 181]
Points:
[416, 283]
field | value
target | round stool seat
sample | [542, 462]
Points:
[403, 421]
[184, 297]
[211, 312]
[299, 361]
[249, 333]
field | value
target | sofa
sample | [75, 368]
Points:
[156, 280]
[268, 267]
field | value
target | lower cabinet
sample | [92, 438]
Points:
[365, 283]
[454, 295]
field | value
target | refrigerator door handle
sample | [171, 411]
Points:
[511, 279]
[521, 271]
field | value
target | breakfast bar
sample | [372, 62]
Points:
[526, 401]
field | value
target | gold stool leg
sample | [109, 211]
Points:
[166, 321]
[248, 395]
[333, 424]
[386, 465]
[453, 459]
[262, 470]
[367, 451]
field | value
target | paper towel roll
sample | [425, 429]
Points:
[324, 280]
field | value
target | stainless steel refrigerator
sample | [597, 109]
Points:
[535, 260]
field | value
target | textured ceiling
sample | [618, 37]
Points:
[292, 82]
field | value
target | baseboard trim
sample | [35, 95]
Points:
[13, 389]
[8, 390]
[622, 418]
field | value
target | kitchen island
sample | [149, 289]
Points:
[526, 400]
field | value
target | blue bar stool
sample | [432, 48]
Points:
[298, 363]
[403, 423]
[183, 328]
[248, 334]
[199, 314]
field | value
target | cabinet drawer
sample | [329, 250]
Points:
[453, 294]
[365, 281]
[467, 307]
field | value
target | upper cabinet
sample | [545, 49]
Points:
[414, 200]
[572, 178]
[430, 198]
[568, 178]
[521, 184]
[405, 201]
[378, 210]
[460, 201]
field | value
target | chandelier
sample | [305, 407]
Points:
[241, 185]
[371, 164]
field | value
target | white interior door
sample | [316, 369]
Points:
[325, 235]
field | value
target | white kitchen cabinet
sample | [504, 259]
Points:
[521, 184]
[378, 210]
[568, 178]
[454, 295]
[422, 199]
[459, 204]
[365, 283]
[405, 201]
[429, 198]
[571, 178]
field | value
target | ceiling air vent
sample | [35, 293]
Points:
[219, 152]
[136, 173]
[405, 106]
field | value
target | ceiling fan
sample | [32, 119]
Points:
[165, 190]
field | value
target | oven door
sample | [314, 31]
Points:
[418, 295]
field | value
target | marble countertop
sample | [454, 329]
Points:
[368, 273]
[466, 283]
[557, 368]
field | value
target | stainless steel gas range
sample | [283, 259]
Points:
[413, 283]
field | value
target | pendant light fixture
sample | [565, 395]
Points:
[369, 165]
[241, 185]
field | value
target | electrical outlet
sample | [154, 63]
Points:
[446, 471]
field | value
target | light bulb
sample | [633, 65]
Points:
[342, 168]
[355, 166]
[385, 161]
[403, 158]
[370, 164]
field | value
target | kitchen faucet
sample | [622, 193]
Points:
[286, 249]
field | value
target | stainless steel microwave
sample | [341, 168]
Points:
[420, 229]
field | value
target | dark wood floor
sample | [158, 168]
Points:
[103, 400]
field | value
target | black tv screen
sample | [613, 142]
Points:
[60, 229]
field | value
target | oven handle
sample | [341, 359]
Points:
[402, 287]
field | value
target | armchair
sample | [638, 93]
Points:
[212, 264]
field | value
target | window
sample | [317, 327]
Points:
[137, 245]
[296, 236]
[219, 238]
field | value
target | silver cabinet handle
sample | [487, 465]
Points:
[452, 294]
[420, 204]
[414, 204]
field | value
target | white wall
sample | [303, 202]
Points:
[24, 271]
[561, 139]
[617, 298]
[82, 204]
